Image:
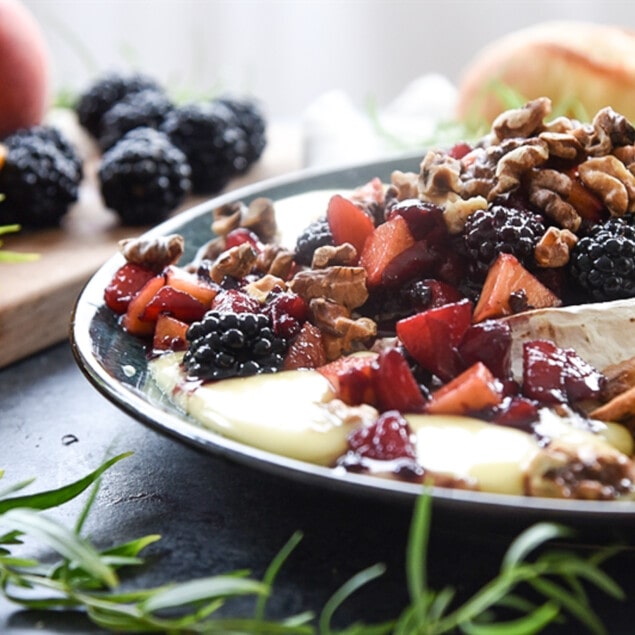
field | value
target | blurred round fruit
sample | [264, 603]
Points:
[24, 68]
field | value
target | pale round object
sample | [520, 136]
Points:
[592, 64]
[24, 69]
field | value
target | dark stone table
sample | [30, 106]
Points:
[216, 516]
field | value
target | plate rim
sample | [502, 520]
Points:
[183, 429]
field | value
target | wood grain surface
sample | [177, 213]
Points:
[37, 297]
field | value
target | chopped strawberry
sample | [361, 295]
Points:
[352, 378]
[389, 438]
[125, 284]
[204, 290]
[306, 349]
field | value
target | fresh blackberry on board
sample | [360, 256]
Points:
[38, 181]
[252, 122]
[143, 177]
[497, 229]
[53, 135]
[145, 108]
[214, 144]
[317, 234]
[603, 261]
[224, 345]
[102, 95]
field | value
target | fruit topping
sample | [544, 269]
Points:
[389, 438]
[509, 288]
[143, 177]
[497, 229]
[348, 223]
[125, 284]
[432, 337]
[317, 234]
[228, 344]
[603, 261]
[555, 375]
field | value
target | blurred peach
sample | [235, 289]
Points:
[24, 68]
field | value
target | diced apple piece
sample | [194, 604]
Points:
[348, 223]
[474, 389]
[432, 337]
[384, 245]
[169, 334]
[132, 320]
[506, 277]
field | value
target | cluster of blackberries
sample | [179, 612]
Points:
[224, 345]
[155, 152]
[40, 174]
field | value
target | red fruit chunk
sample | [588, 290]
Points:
[242, 235]
[555, 375]
[459, 150]
[515, 412]
[473, 390]
[132, 320]
[306, 350]
[385, 243]
[432, 337]
[505, 278]
[371, 192]
[288, 312]
[351, 378]
[395, 385]
[488, 342]
[425, 220]
[203, 290]
[417, 261]
[235, 301]
[169, 334]
[389, 438]
[348, 223]
[178, 304]
[125, 284]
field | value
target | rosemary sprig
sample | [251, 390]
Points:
[13, 256]
[86, 578]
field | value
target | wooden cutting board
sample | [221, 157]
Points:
[37, 297]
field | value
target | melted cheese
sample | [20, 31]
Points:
[291, 413]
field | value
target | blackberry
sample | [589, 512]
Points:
[500, 228]
[145, 108]
[252, 122]
[211, 139]
[143, 177]
[224, 345]
[603, 261]
[38, 181]
[105, 93]
[317, 234]
[54, 136]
